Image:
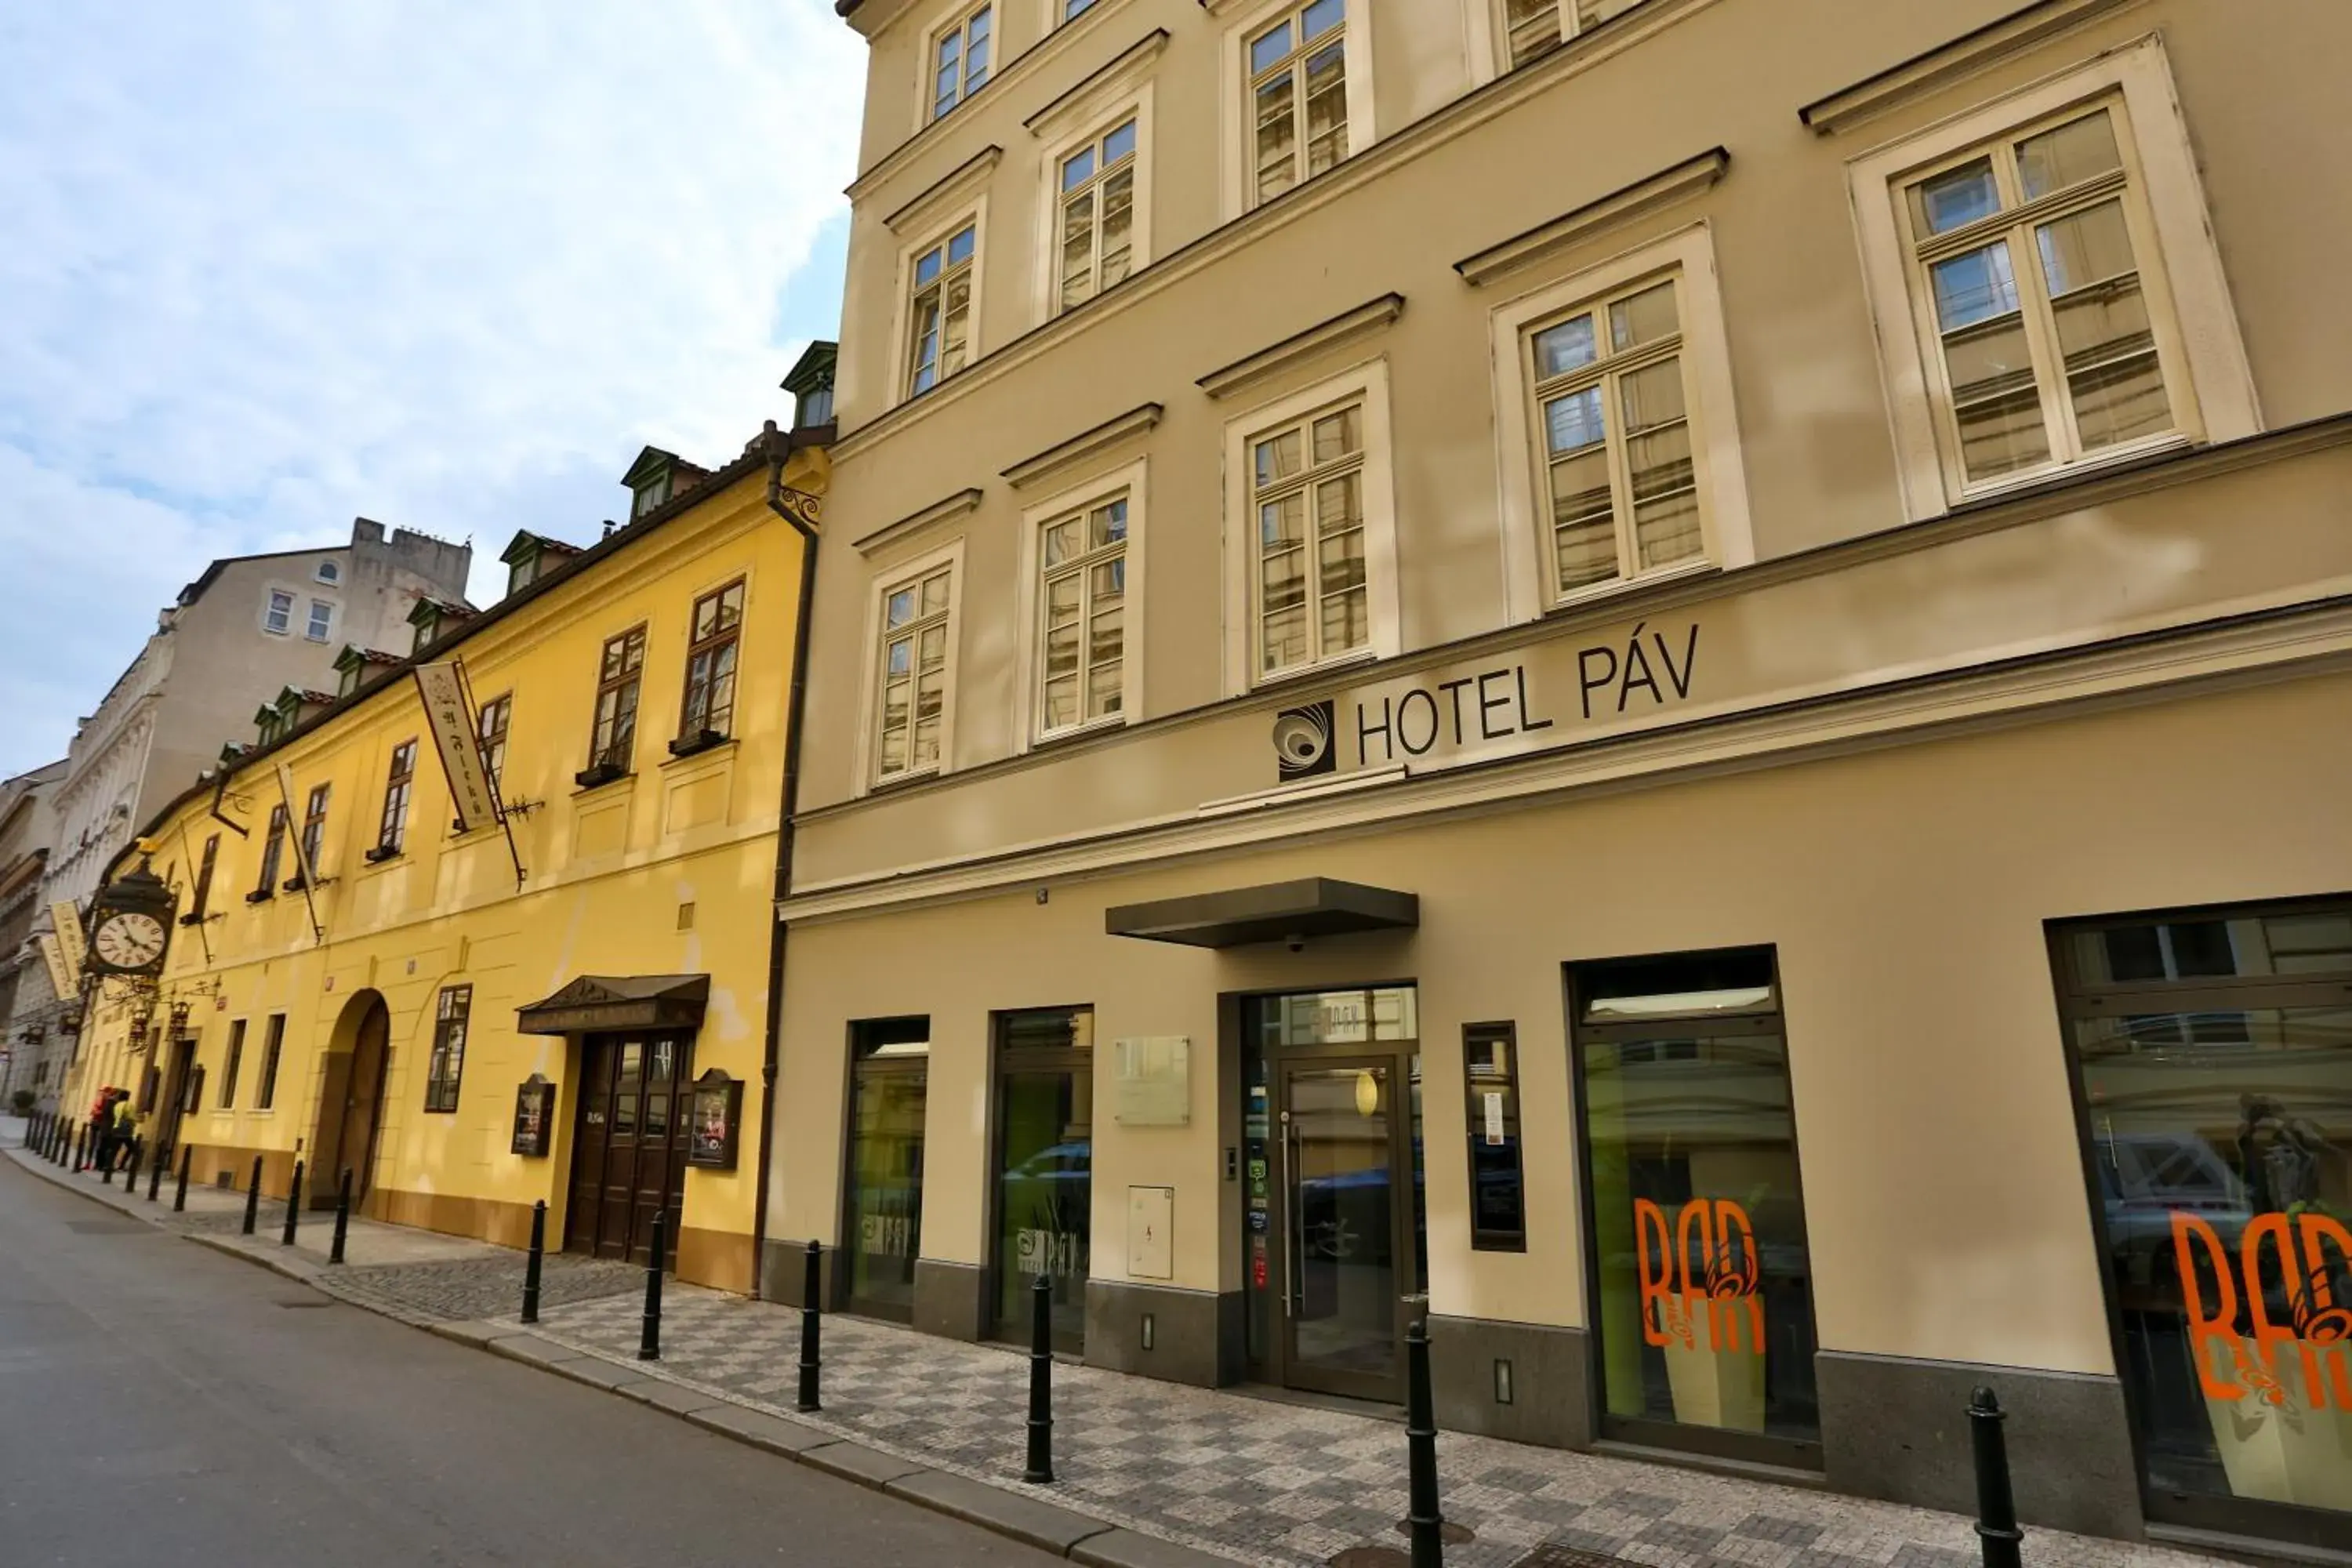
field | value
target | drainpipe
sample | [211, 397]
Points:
[780, 448]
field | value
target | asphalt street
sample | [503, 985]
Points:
[161, 1403]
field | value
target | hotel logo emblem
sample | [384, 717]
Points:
[1303, 743]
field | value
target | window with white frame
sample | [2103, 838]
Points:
[330, 573]
[938, 316]
[323, 620]
[1620, 487]
[960, 59]
[913, 717]
[278, 619]
[1082, 674]
[1307, 492]
[1097, 192]
[1071, 10]
[1298, 78]
[2045, 285]
[2028, 257]
[1536, 27]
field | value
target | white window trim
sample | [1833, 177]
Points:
[1233, 93]
[927, 85]
[1370, 382]
[310, 619]
[1706, 354]
[293, 611]
[2216, 401]
[1029, 711]
[328, 571]
[1045, 276]
[869, 721]
[903, 313]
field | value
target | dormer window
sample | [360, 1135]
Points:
[523, 573]
[650, 495]
[810, 381]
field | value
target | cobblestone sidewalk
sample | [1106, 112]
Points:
[1267, 1482]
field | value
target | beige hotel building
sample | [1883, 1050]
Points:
[1668, 680]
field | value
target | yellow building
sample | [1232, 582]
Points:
[471, 1019]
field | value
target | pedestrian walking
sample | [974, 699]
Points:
[126, 1126]
[101, 1128]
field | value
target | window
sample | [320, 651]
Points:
[277, 620]
[917, 621]
[314, 827]
[939, 317]
[1098, 207]
[1307, 492]
[1298, 97]
[709, 707]
[273, 854]
[649, 496]
[448, 1064]
[496, 717]
[2027, 258]
[1072, 10]
[323, 620]
[960, 59]
[1538, 26]
[617, 678]
[1083, 676]
[392, 832]
[229, 1067]
[1618, 484]
[329, 572]
[205, 877]
[813, 406]
[266, 1093]
[2046, 287]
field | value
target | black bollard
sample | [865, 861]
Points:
[30, 1123]
[811, 1285]
[1041, 1382]
[253, 1196]
[532, 1264]
[130, 1172]
[1422, 1520]
[293, 1206]
[649, 1340]
[81, 1143]
[343, 1217]
[105, 1163]
[1996, 1507]
[180, 1191]
[156, 1171]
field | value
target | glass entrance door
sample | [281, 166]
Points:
[1343, 1146]
[1045, 1166]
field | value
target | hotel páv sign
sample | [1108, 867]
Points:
[1533, 698]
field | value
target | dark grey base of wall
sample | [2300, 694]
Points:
[1196, 1335]
[1898, 1429]
[783, 1266]
[1551, 1381]
[951, 1298]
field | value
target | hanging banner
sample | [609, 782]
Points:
[65, 919]
[451, 718]
[61, 980]
[309, 874]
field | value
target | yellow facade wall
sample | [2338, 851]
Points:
[667, 871]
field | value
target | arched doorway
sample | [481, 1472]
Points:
[350, 1097]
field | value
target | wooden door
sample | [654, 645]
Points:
[364, 1098]
[628, 1158]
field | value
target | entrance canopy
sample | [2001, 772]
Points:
[601, 1004]
[1274, 911]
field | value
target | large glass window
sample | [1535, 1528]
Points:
[1537, 27]
[2215, 1058]
[1299, 96]
[960, 60]
[1097, 204]
[1045, 1164]
[883, 1222]
[916, 626]
[1084, 599]
[1701, 1272]
[938, 316]
[1307, 488]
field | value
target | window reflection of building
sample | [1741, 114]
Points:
[1044, 1141]
[884, 1207]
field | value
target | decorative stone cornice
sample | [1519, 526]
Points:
[1090, 97]
[959, 184]
[1347, 327]
[1086, 444]
[914, 523]
[1947, 63]
[1644, 196]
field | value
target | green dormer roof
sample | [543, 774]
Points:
[813, 371]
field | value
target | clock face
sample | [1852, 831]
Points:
[129, 940]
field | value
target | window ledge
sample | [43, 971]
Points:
[2059, 476]
[296, 884]
[694, 745]
[1080, 732]
[260, 895]
[1298, 673]
[901, 781]
[194, 918]
[600, 775]
[383, 853]
[1611, 589]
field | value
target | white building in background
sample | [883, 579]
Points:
[248, 628]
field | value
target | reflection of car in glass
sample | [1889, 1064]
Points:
[2144, 1177]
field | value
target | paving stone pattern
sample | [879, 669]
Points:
[471, 1288]
[1269, 1482]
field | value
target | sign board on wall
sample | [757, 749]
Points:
[1152, 1080]
[1150, 1233]
[65, 917]
[451, 718]
[53, 956]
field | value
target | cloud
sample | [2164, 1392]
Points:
[274, 264]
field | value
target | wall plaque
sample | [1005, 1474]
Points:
[1152, 1080]
[534, 1116]
[716, 1115]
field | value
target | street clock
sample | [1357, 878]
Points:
[130, 926]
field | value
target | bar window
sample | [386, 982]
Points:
[1299, 96]
[204, 889]
[1498, 1212]
[447, 1062]
[1307, 486]
[497, 718]
[273, 854]
[400, 782]
[314, 835]
[266, 1093]
[229, 1067]
[707, 713]
[618, 676]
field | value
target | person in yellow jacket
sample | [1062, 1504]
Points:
[126, 1127]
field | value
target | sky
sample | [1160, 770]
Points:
[270, 264]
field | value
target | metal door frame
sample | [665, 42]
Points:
[1396, 1057]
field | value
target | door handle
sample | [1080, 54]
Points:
[1294, 1264]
